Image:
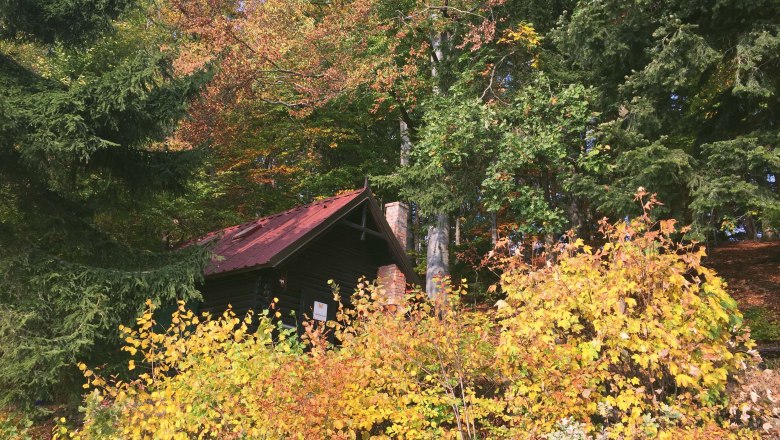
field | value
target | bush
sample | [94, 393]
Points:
[415, 374]
[634, 339]
[426, 371]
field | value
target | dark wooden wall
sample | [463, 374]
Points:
[237, 290]
[338, 254]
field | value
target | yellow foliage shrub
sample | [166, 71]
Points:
[633, 339]
[636, 338]
[419, 373]
[215, 379]
[426, 371]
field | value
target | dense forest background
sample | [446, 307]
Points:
[128, 127]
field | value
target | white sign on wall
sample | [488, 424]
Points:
[320, 311]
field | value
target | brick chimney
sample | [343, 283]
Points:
[390, 277]
[397, 215]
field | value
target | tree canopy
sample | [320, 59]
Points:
[687, 100]
[128, 127]
[84, 164]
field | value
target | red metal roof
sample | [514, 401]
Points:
[259, 242]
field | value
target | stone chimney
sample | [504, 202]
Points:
[390, 277]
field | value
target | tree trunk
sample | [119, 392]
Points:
[417, 243]
[406, 142]
[406, 150]
[750, 228]
[438, 255]
[494, 229]
[439, 232]
[457, 231]
[549, 246]
[576, 217]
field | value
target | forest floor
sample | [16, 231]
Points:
[752, 271]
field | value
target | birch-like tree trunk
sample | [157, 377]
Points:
[457, 230]
[439, 231]
[494, 229]
[438, 254]
[406, 151]
[406, 142]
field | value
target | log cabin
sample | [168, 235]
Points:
[292, 255]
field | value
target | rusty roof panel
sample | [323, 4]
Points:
[259, 242]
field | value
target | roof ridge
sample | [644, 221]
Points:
[247, 224]
[310, 204]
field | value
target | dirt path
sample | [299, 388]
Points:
[752, 270]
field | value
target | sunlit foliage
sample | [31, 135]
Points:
[634, 339]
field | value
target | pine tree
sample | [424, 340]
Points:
[86, 101]
[687, 93]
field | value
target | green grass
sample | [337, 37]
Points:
[771, 363]
[764, 325]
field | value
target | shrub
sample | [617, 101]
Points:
[215, 379]
[635, 337]
[421, 373]
[632, 340]
[427, 371]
